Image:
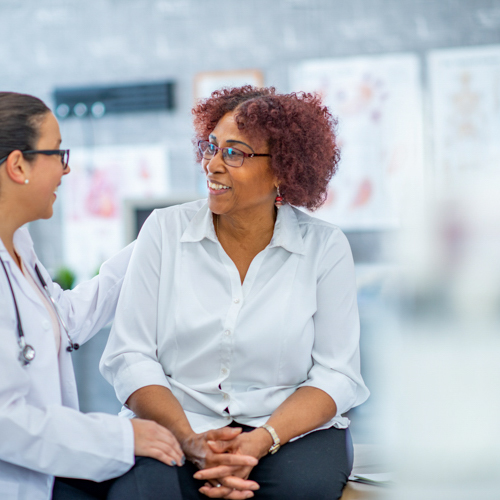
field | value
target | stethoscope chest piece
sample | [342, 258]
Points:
[26, 353]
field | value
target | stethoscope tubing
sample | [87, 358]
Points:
[54, 303]
[26, 351]
[72, 345]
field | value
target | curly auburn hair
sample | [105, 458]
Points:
[299, 130]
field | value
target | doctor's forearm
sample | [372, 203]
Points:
[155, 402]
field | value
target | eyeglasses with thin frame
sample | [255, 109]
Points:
[63, 154]
[230, 156]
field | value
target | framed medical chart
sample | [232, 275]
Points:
[465, 94]
[93, 197]
[206, 82]
[378, 103]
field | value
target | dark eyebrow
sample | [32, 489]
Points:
[212, 136]
[240, 142]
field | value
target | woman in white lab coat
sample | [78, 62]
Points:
[42, 433]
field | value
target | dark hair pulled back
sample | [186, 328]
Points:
[20, 118]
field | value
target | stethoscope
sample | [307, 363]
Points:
[26, 351]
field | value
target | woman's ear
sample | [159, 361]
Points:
[17, 168]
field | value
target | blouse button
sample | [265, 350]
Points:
[224, 371]
[226, 396]
[236, 301]
[227, 332]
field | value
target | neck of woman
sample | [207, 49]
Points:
[255, 229]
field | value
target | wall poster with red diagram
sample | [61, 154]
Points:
[378, 103]
[101, 179]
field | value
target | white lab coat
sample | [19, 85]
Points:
[42, 433]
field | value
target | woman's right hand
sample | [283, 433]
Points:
[197, 450]
[155, 441]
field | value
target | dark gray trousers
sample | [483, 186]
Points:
[147, 480]
[315, 467]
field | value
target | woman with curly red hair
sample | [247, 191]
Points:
[237, 327]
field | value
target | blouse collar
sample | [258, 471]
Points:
[286, 234]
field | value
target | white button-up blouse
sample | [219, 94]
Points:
[232, 351]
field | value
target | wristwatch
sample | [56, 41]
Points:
[276, 440]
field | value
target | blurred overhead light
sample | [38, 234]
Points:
[116, 99]
[62, 111]
[98, 109]
[80, 109]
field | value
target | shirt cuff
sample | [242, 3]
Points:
[337, 385]
[128, 445]
[139, 375]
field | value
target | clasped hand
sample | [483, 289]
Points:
[225, 458]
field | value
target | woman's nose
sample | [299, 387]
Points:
[216, 163]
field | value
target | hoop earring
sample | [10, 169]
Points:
[278, 202]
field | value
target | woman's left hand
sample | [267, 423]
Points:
[233, 479]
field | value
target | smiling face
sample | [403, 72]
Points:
[238, 191]
[46, 171]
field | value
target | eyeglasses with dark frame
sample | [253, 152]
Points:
[63, 154]
[230, 156]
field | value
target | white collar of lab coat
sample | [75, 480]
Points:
[24, 247]
[287, 232]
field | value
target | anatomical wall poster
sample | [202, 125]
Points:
[377, 101]
[92, 195]
[465, 95]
